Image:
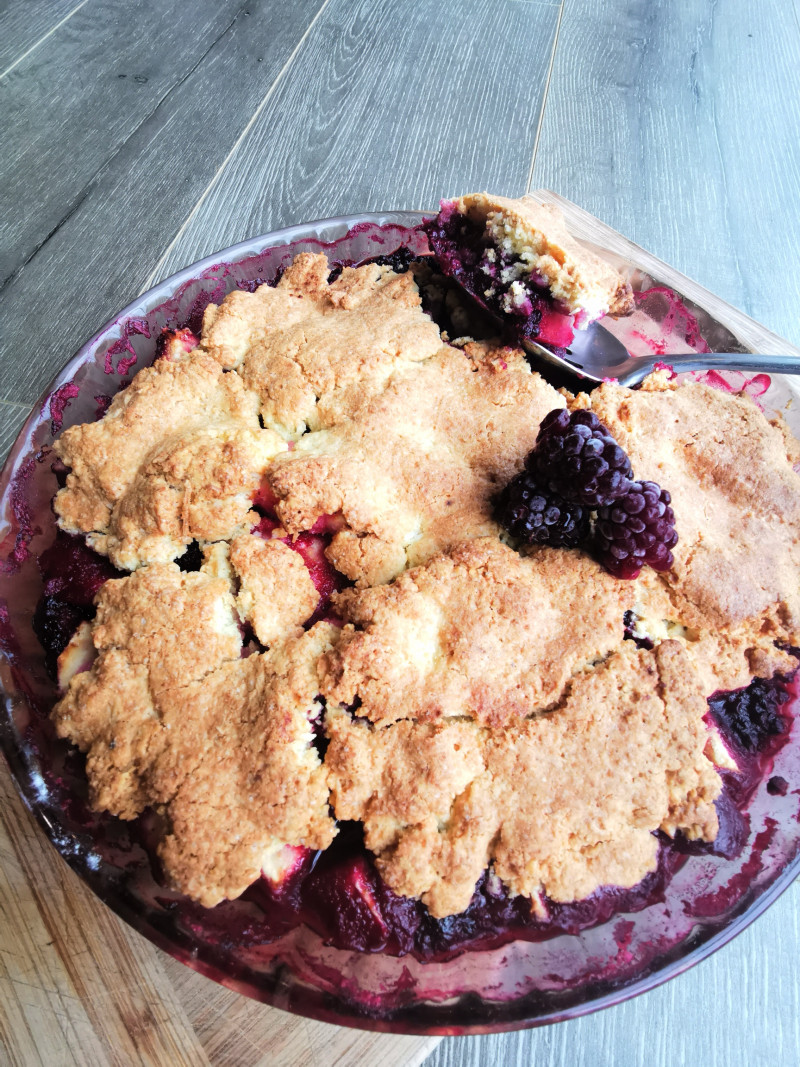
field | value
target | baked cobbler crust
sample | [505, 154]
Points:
[171, 715]
[276, 594]
[178, 456]
[481, 704]
[733, 591]
[560, 803]
[312, 350]
[480, 633]
[412, 471]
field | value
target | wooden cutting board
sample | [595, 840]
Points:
[79, 986]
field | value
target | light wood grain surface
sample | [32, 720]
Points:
[137, 137]
[80, 987]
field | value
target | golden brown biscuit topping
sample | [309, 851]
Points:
[178, 456]
[733, 590]
[482, 704]
[481, 633]
[561, 804]
[170, 714]
[413, 470]
[276, 594]
[312, 350]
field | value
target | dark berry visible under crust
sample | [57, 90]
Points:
[72, 571]
[73, 574]
[54, 622]
[750, 716]
[519, 299]
[629, 624]
[192, 558]
[635, 530]
[538, 516]
[576, 456]
[777, 786]
[400, 261]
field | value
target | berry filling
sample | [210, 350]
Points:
[751, 717]
[72, 575]
[311, 547]
[400, 261]
[341, 896]
[172, 344]
[500, 282]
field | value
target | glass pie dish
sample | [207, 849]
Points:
[634, 942]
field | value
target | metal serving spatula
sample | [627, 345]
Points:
[595, 354]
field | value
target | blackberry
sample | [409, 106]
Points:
[750, 716]
[637, 529]
[54, 622]
[576, 456]
[777, 786]
[538, 516]
[192, 558]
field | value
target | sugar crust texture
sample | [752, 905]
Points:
[562, 804]
[482, 705]
[177, 456]
[733, 590]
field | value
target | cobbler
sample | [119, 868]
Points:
[395, 639]
[518, 260]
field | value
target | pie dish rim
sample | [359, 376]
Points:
[319, 231]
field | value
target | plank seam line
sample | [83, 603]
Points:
[172, 88]
[206, 192]
[41, 40]
[423, 1054]
[17, 270]
[15, 404]
[107, 163]
[545, 95]
[726, 200]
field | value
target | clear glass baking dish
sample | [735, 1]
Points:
[708, 901]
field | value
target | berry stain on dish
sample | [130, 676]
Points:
[362, 627]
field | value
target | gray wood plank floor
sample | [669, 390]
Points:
[675, 123]
[679, 125]
[737, 1009]
[26, 24]
[404, 106]
[12, 417]
[99, 255]
[76, 99]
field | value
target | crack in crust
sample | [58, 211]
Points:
[413, 471]
[482, 633]
[733, 590]
[179, 455]
[440, 801]
[312, 351]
